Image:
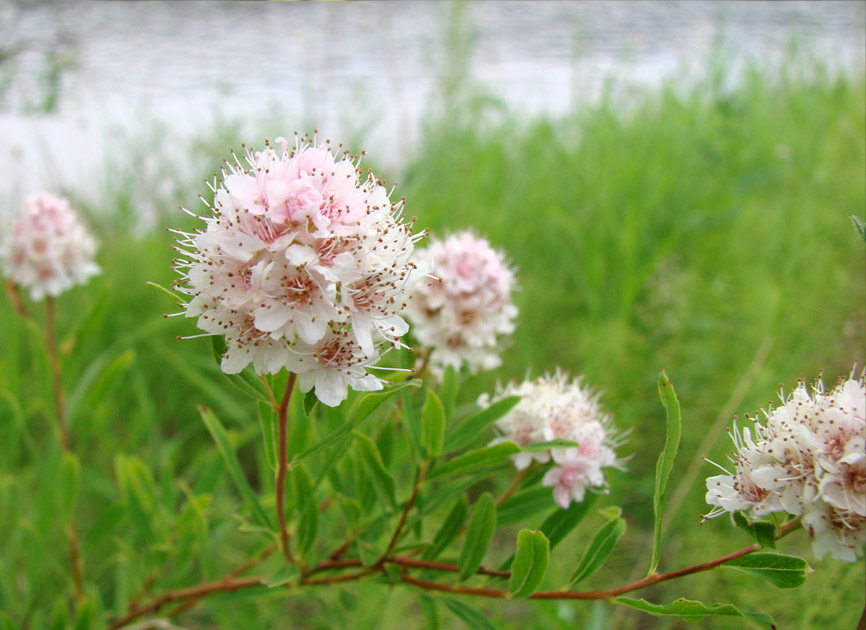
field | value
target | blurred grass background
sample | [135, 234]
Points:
[702, 228]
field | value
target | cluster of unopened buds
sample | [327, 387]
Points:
[461, 314]
[559, 408]
[808, 459]
[48, 250]
[304, 265]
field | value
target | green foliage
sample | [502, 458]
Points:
[689, 610]
[530, 563]
[600, 547]
[665, 464]
[779, 570]
[670, 232]
[482, 525]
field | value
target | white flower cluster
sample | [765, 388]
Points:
[460, 312]
[48, 250]
[554, 407]
[304, 265]
[808, 459]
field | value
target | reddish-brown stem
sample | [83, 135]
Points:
[232, 584]
[442, 566]
[239, 571]
[57, 382]
[283, 466]
[513, 487]
[270, 392]
[200, 590]
[399, 529]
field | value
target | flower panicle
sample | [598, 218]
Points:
[805, 457]
[303, 264]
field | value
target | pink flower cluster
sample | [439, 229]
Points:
[48, 250]
[303, 265]
[461, 312]
[557, 407]
[807, 459]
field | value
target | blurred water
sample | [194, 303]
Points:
[355, 68]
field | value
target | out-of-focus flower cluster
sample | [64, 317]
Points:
[459, 314]
[48, 250]
[304, 265]
[807, 459]
[557, 407]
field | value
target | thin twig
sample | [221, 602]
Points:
[283, 466]
[399, 529]
[232, 584]
[270, 392]
[60, 407]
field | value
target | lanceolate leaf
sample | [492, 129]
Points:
[599, 549]
[690, 610]
[268, 420]
[366, 405]
[448, 531]
[523, 505]
[473, 460]
[665, 463]
[472, 618]
[530, 563]
[68, 483]
[373, 461]
[225, 448]
[473, 426]
[448, 390]
[432, 424]
[310, 400]
[478, 535]
[778, 569]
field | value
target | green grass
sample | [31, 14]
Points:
[695, 229]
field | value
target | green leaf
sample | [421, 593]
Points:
[70, 471]
[470, 428]
[137, 490]
[432, 424]
[473, 460]
[690, 610]
[449, 529]
[373, 461]
[478, 535]
[428, 607]
[224, 446]
[96, 381]
[530, 563]
[599, 549]
[448, 390]
[284, 575]
[471, 618]
[859, 225]
[305, 502]
[84, 616]
[366, 405]
[778, 569]
[6, 622]
[559, 524]
[665, 463]
[523, 505]
[762, 531]
[310, 401]
[268, 420]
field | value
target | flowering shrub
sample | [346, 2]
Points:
[300, 278]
